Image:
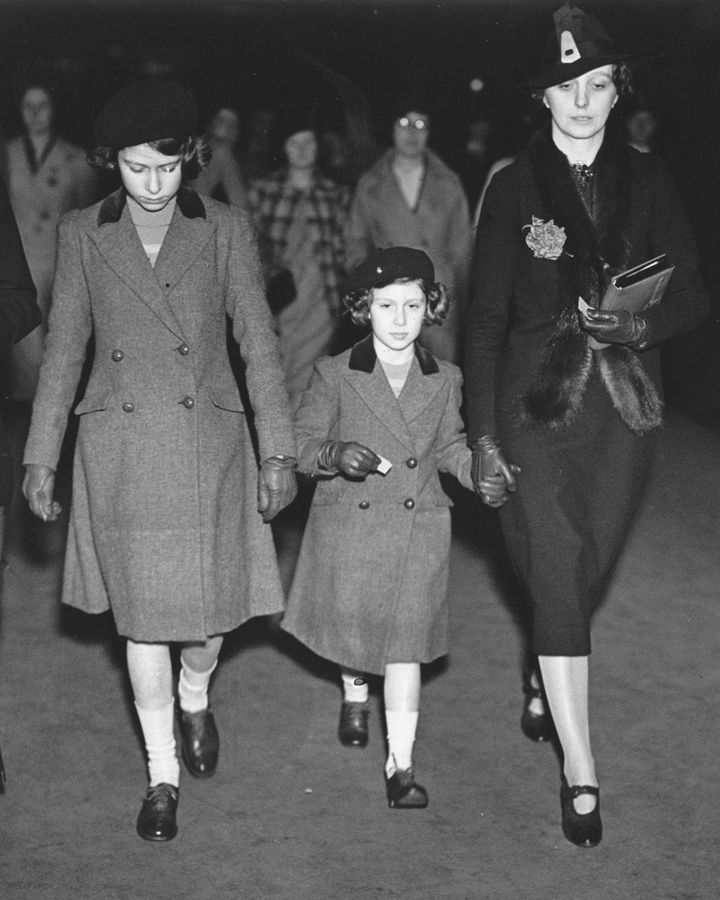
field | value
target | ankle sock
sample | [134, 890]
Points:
[401, 728]
[355, 688]
[193, 688]
[159, 735]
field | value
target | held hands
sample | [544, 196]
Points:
[493, 478]
[348, 457]
[38, 488]
[277, 486]
[618, 326]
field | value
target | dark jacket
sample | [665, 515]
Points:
[19, 313]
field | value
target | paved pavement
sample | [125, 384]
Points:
[292, 814]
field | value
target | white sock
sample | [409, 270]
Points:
[193, 688]
[401, 728]
[355, 688]
[158, 731]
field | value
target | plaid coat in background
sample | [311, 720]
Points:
[273, 201]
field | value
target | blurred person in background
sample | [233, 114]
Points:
[46, 176]
[300, 218]
[222, 178]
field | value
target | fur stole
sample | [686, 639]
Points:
[595, 250]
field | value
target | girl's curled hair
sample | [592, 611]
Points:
[437, 302]
[195, 152]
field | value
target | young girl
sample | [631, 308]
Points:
[375, 426]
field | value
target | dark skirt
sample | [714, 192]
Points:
[569, 518]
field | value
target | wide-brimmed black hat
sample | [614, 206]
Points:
[385, 266]
[577, 45]
[146, 110]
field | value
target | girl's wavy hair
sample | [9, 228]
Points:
[195, 151]
[436, 309]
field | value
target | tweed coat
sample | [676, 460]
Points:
[371, 579]
[581, 481]
[440, 225]
[164, 527]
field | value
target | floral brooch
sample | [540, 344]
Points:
[545, 239]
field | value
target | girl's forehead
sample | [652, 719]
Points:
[399, 290]
[144, 153]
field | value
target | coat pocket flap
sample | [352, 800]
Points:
[94, 403]
[226, 398]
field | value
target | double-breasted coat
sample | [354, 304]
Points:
[164, 527]
[371, 579]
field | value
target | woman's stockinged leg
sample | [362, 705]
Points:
[565, 679]
[401, 692]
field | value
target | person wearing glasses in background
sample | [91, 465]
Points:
[411, 198]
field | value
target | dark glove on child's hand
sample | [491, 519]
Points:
[492, 476]
[618, 326]
[348, 457]
[277, 486]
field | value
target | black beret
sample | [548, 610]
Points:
[385, 266]
[145, 111]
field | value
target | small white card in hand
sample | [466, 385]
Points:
[582, 305]
[384, 465]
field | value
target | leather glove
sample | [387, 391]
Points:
[618, 326]
[492, 477]
[348, 457]
[39, 488]
[277, 486]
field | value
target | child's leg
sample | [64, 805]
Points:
[200, 739]
[402, 705]
[197, 663]
[353, 727]
[355, 687]
[151, 678]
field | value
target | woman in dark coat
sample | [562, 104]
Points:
[166, 527]
[577, 207]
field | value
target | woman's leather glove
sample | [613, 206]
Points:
[492, 476]
[277, 486]
[39, 488]
[348, 457]
[617, 326]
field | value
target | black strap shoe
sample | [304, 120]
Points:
[353, 728]
[199, 742]
[158, 815]
[582, 829]
[403, 792]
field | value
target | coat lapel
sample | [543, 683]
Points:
[184, 242]
[366, 376]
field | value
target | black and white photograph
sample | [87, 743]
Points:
[359, 449]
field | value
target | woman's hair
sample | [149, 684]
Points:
[621, 76]
[358, 302]
[195, 152]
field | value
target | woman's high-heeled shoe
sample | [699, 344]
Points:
[536, 726]
[582, 829]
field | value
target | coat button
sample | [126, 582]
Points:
[183, 349]
[409, 503]
[188, 402]
[117, 355]
[364, 504]
[128, 407]
[411, 463]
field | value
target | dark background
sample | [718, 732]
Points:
[367, 57]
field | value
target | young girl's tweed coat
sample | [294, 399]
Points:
[370, 584]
